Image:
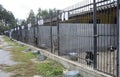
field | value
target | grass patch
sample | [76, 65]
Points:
[9, 41]
[6, 39]
[21, 57]
[23, 70]
[50, 69]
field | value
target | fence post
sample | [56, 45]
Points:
[33, 24]
[58, 36]
[118, 38]
[51, 33]
[95, 34]
[26, 29]
[37, 35]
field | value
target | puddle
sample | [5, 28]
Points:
[5, 58]
[4, 74]
[5, 61]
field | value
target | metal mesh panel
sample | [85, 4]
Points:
[107, 36]
[44, 36]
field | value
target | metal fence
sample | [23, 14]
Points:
[83, 33]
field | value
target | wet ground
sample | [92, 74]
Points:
[4, 74]
[5, 58]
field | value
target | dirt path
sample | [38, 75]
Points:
[5, 58]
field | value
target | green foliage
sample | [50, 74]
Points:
[7, 19]
[31, 17]
[2, 27]
[46, 13]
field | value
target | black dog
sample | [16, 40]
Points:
[89, 57]
[112, 48]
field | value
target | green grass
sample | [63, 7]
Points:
[6, 39]
[27, 69]
[20, 56]
[9, 41]
[50, 69]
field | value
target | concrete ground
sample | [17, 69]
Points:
[5, 58]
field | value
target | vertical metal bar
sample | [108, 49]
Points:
[109, 19]
[37, 35]
[34, 34]
[20, 33]
[95, 34]
[51, 33]
[26, 30]
[58, 33]
[114, 54]
[118, 38]
[25, 33]
[17, 33]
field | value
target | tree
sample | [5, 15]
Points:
[7, 19]
[23, 22]
[52, 11]
[10, 19]
[39, 14]
[46, 13]
[31, 17]
[3, 28]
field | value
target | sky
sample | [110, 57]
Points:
[21, 8]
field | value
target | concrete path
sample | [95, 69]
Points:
[5, 58]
